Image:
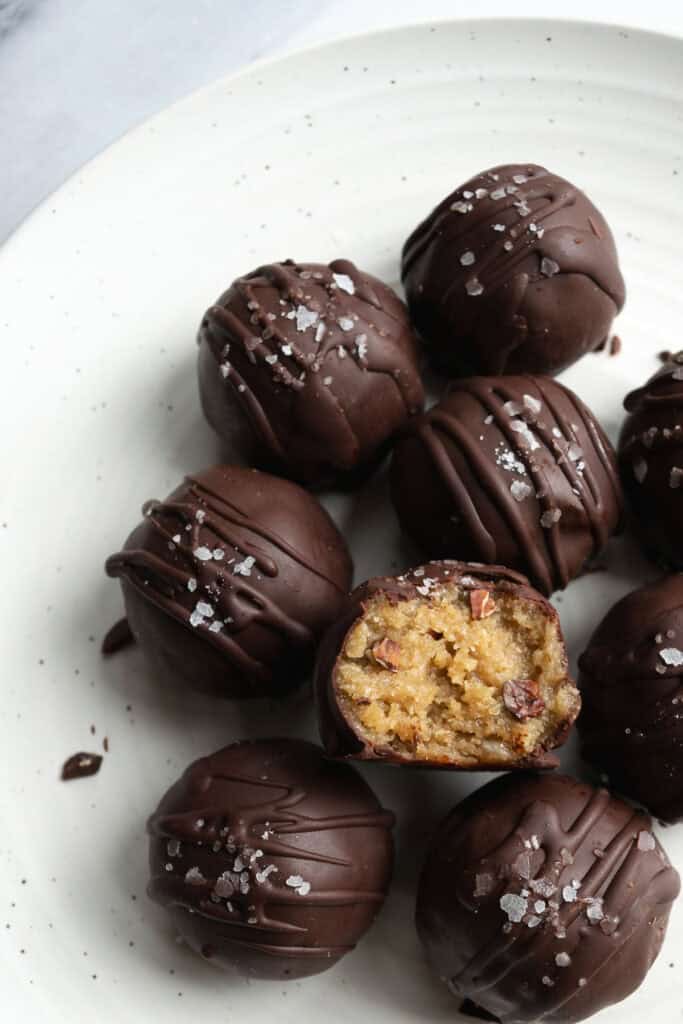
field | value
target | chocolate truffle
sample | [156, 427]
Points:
[271, 860]
[230, 581]
[308, 369]
[631, 679]
[514, 272]
[544, 899]
[512, 470]
[651, 462]
[453, 664]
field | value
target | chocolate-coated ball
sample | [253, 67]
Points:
[271, 860]
[514, 272]
[309, 370]
[651, 462]
[230, 581]
[631, 681]
[514, 471]
[544, 899]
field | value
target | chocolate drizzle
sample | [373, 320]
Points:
[292, 345]
[271, 863]
[212, 557]
[554, 490]
[485, 274]
[558, 895]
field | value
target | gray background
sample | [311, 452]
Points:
[77, 74]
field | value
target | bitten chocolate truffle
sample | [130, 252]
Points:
[230, 581]
[631, 679]
[514, 272]
[651, 462]
[309, 369]
[453, 664]
[543, 899]
[509, 470]
[271, 860]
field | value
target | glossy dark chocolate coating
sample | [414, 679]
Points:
[339, 737]
[527, 960]
[514, 272]
[309, 369]
[230, 581]
[488, 474]
[631, 680]
[279, 859]
[651, 462]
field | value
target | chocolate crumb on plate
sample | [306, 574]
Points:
[118, 637]
[80, 765]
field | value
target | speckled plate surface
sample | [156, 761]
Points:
[334, 152]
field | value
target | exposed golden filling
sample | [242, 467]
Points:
[457, 676]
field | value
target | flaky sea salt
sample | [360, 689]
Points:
[646, 841]
[522, 428]
[194, 877]
[549, 517]
[344, 282]
[513, 408]
[244, 567]
[520, 490]
[305, 318]
[514, 906]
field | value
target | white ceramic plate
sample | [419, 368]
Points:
[334, 152]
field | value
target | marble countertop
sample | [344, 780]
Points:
[77, 74]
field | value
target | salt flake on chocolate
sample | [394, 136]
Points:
[344, 282]
[514, 906]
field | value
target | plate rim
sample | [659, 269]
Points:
[526, 22]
